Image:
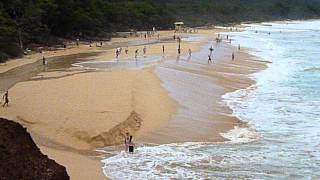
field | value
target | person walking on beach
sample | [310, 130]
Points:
[126, 50]
[211, 50]
[5, 97]
[239, 47]
[232, 56]
[209, 59]
[190, 52]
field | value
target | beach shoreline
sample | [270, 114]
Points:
[141, 101]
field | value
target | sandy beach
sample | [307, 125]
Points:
[70, 110]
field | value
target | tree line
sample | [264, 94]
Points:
[28, 23]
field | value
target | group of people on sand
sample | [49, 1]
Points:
[219, 40]
[136, 53]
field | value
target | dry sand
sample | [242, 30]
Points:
[70, 115]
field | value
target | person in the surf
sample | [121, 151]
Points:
[126, 142]
[131, 145]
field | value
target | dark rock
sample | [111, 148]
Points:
[21, 159]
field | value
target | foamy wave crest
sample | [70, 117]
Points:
[241, 135]
[161, 162]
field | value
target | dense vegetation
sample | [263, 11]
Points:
[233, 11]
[24, 23]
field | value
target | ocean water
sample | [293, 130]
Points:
[283, 108]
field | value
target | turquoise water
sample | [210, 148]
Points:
[283, 107]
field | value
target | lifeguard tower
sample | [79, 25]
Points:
[178, 26]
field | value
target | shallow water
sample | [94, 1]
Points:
[26, 72]
[131, 63]
[283, 107]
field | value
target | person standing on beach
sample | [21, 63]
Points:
[117, 53]
[136, 53]
[239, 47]
[217, 40]
[44, 62]
[190, 52]
[162, 49]
[227, 36]
[126, 50]
[6, 99]
[232, 56]
[144, 50]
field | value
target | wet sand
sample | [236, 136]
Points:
[198, 88]
[71, 111]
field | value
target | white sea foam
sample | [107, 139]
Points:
[156, 162]
[241, 135]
